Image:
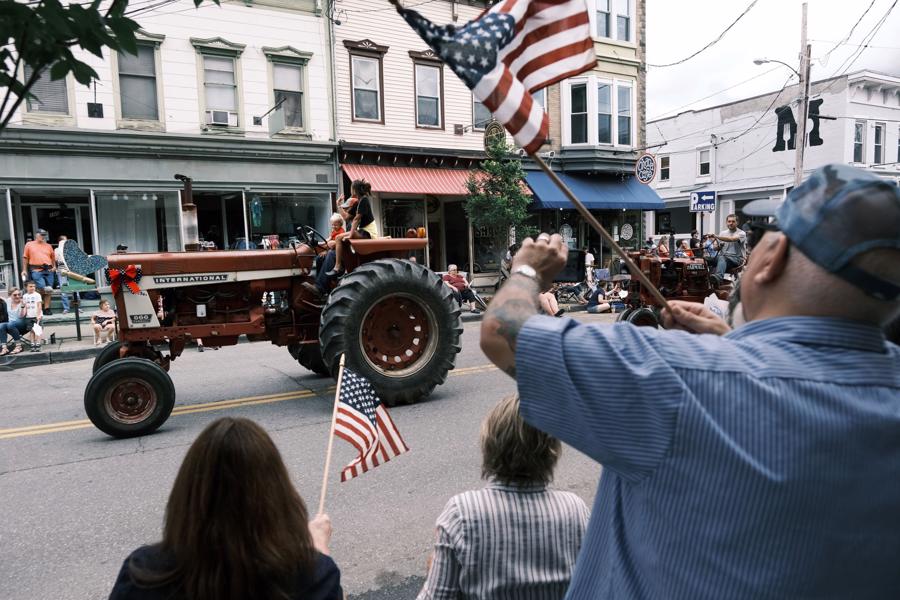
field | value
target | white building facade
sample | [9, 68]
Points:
[728, 149]
[98, 164]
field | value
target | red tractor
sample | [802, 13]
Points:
[685, 279]
[393, 318]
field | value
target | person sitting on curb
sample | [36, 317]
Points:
[104, 323]
[515, 537]
[235, 527]
[8, 321]
[462, 289]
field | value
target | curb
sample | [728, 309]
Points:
[29, 359]
[570, 308]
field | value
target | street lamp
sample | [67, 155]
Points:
[762, 61]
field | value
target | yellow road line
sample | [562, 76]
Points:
[188, 409]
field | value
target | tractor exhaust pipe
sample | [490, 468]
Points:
[191, 229]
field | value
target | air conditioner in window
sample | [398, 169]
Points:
[222, 117]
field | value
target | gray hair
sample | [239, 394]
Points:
[452, 267]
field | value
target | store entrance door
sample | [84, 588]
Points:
[59, 215]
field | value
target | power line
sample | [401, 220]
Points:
[764, 113]
[849, 33]
[712, 43]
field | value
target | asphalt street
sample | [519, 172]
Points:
[74, 502]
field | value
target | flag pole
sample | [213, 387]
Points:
[337, 396]
[592, 221]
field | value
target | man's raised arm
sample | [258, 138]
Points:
[534, 267]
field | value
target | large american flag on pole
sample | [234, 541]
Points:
[514, 48]
[365, 423]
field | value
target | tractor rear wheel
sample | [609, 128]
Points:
[643, 317]
[623, 316]
[310, 357]
[129, 397]
[398, 325]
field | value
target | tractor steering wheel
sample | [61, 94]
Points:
[308, 235]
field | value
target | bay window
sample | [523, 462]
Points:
[624, 125]
[604, 113]
[609, 121]
[578, 113]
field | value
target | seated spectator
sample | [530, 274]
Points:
[550, 305]
[8, 321]
[104, 323]
[684, 250]
[235, 527]
[462, 291]
[597, 302]
[662, 248]
[514, 538]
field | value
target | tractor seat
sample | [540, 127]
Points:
[364, 247]
[175, 263]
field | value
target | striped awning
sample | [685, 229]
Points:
[411, 180]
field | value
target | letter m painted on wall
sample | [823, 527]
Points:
[786, 121]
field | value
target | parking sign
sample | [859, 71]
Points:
[703, 201]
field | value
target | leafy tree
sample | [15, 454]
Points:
[497, 198]
[40, 34]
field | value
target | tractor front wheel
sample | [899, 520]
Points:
[129, 397]
[398, 325]
[643, 317]
[310, 357]
[109, 353]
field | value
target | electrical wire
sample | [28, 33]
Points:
[764, 113]
[712, 43]
[824, 60]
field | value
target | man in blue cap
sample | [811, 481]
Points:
[768, 464]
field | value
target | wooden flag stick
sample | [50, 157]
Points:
[635, 270]
[337, 396]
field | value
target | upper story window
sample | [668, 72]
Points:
[898, 144]
[137, 84]
[879, 143]
[49, 95]
[578, 114]
[624, 17]
[614, 19]
[859, 141]
[220, 63]
[603, 19]
[664, 169]
[429, 80]
[604, 113]
[624, 124]
[704, 159]
[366, 80]
[540, 96]
[481, 116]
[287, 87]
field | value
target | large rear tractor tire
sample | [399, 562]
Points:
[398, 325]
[129, 397]
[643, 317]
[310, 357]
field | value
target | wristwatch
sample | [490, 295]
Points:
[527, 271]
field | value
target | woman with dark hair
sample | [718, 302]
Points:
[514, 538]
[358, 211]
[235, 528]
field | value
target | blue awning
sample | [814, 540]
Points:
[596, 193]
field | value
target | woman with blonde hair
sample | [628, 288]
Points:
[514, 538]
[235, 528]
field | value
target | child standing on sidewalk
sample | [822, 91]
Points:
[34, 313]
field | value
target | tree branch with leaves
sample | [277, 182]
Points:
[41, 34]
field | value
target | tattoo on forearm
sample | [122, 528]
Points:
[511, 317]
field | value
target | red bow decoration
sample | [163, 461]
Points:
[129, 277]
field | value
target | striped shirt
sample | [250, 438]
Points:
[764, 464]
[514, 542]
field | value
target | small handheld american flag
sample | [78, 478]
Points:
[364, 422]
[514, 48]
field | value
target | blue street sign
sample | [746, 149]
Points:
[703, 201]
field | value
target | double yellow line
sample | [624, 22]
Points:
[188, 409]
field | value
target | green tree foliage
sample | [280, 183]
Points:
[40, 34]
[497, 198]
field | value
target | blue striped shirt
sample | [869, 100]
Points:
[764, 464]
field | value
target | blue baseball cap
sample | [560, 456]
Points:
[838, 213]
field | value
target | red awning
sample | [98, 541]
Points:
[411, 180]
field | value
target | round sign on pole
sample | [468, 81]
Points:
[493, 133]
[627, 231]
[645, 168]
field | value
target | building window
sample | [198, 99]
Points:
[220, 87]
[481, 116]
[288, 88]
[429, 95]
[49, 95]
[664, 168]
[578, 113]
[366, 88]
[703, 160]
[898, 145]
[603, 19]
[879, 143]
[624, 124]
[540, 96]
[623, 20]
[859, 139]
[137, 84]
[604, 113]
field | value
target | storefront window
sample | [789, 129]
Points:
[7, 276]
[145, 221]
[490, 247]
[273, 219]
[401, 216]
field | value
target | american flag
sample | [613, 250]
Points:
[365, 423]
[514, 48]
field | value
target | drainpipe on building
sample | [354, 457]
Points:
[191, 229]
[329, 14]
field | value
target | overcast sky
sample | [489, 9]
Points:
[676, 29]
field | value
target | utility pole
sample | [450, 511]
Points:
[805, 60]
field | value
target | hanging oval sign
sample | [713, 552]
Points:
[627, 231]
[493, 133]
[645, 168]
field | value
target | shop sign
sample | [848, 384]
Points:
[645, 168]
[703, 201]
[493, 132]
